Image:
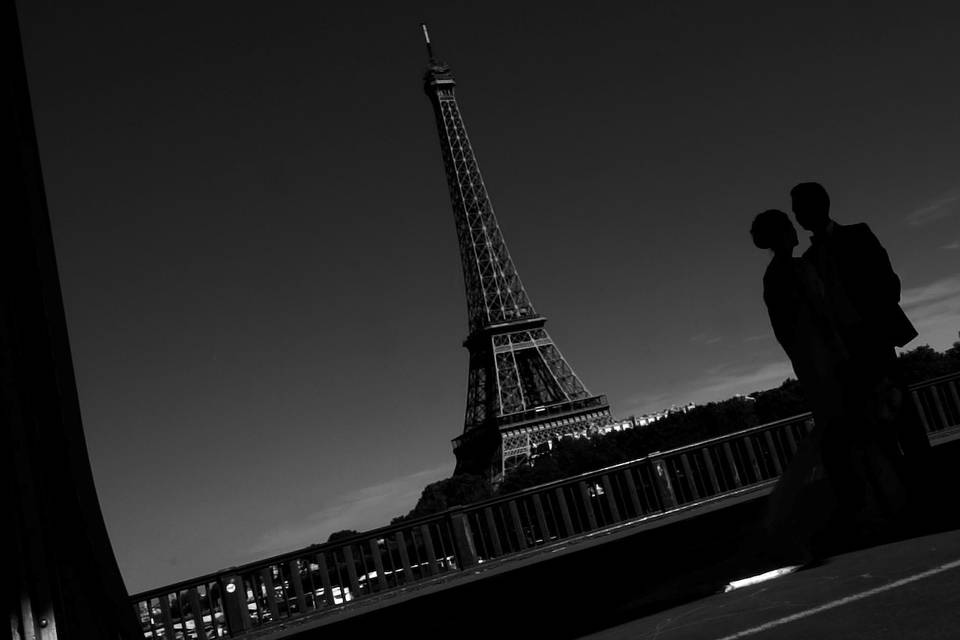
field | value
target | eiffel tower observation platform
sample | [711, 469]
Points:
[622, 549]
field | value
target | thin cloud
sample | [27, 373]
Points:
[363, 509]
[720, 368]
[942, 289]
[647, 403]
[934, 309]
[936, 210]
[705, 338]
[953, 246]
[725, 385]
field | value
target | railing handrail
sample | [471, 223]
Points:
[442, 515]
[932, 381]
[445, 515]
[293, 555]
[655, 455]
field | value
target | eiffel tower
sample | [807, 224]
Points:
[521, 393]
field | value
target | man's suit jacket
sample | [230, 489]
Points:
[867, 279]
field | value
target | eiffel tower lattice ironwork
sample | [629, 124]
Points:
[521, 393]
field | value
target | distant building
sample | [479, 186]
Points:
[609, 424]
[650, 418]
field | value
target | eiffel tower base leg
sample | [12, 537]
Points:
[478, 452]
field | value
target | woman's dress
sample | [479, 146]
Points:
[796, 305]
[841, 449]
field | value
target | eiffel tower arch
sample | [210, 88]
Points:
[521, 392]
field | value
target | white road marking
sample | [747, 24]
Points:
[842, 601]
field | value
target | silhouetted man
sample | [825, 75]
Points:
[864, 292]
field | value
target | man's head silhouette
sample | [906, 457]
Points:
[811, 206]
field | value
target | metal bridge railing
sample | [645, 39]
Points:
[332, 575]
[938, 403]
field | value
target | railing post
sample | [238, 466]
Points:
[564, 511]
[325, 578]
[378, 564]
[768, 437]
[165, 617]
[915, 396]
[351, 567]
[517, 524]
[297, 583]
[196, 610]
[406, 570]
[541, 517]
[688, 471]
[952, 386]
[791, 440]
[711, 472]
[667, 496]
[428, 549]
[492, 529]
[463, 539]
[235, 604]
[611, 499]
[632, 491]
[734, 474]
[266, 575]
[587, 505]
[754, 464]
[938, 405]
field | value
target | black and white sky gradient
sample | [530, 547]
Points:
[258, 254]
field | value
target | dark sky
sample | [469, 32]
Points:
[258, 254]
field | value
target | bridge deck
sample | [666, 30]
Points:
[907, 590]
[502, 567]
[624, 575]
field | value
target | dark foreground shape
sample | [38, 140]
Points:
[61, 579]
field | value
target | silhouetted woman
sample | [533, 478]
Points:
[796, 303]
[801, 320]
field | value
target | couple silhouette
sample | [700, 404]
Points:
[835, 311]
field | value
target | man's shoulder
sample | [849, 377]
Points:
[853, 232]
[855, 228]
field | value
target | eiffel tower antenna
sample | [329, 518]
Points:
[521, 393]
[426, 36]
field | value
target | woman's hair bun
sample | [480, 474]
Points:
[768, 226]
